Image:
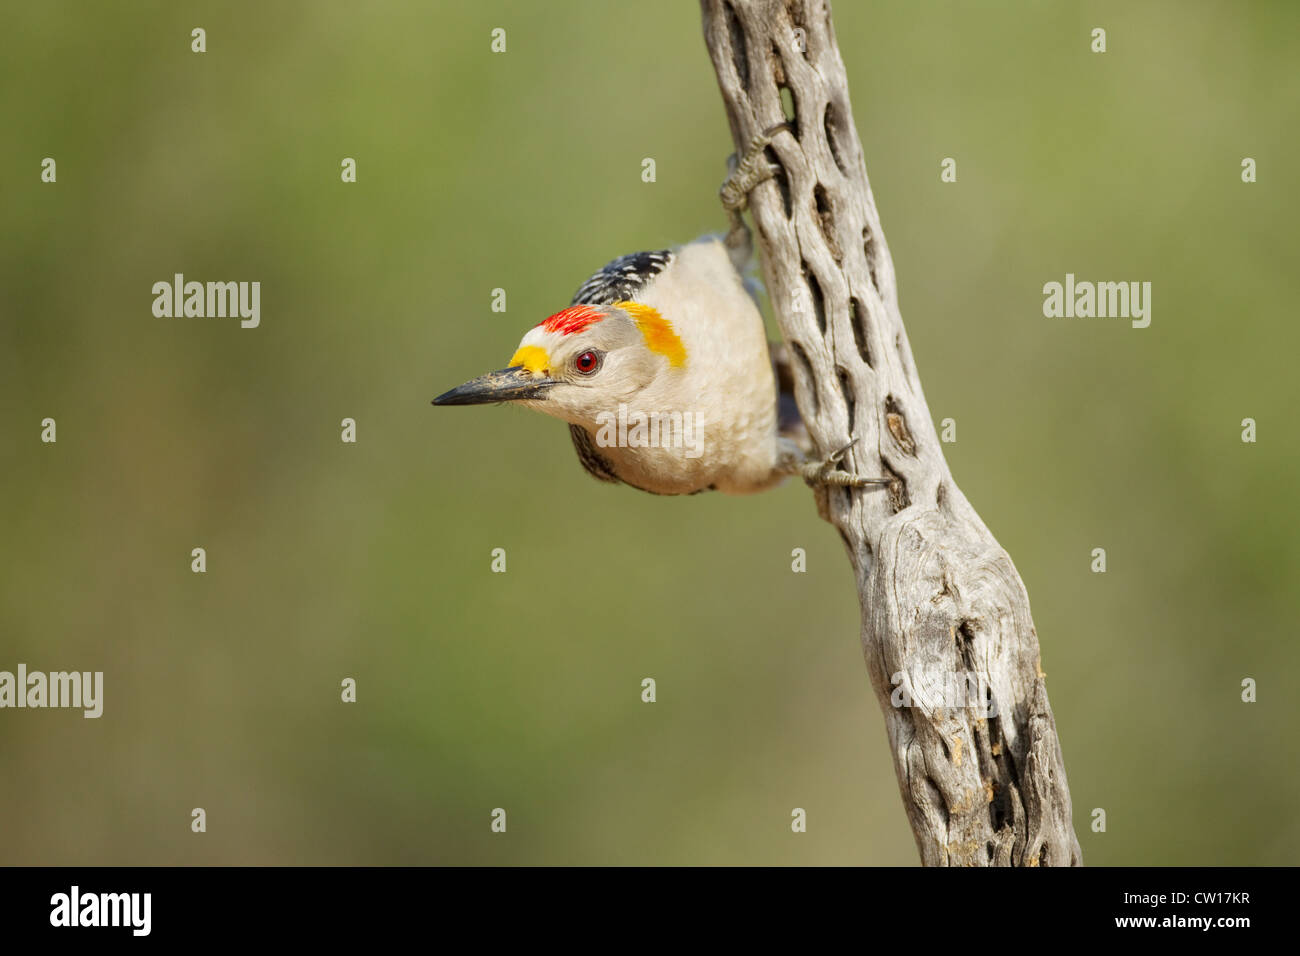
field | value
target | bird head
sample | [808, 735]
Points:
[581, 362]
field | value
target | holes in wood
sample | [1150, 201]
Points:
[850, 400]
[897, 489]
[736, 41]
[787, 105]
[818, 301]
[964, 636]
[858, 319]
[783, 186]
[826, 217]
[999, 811]
[834, 126]
[897, 425]
[805, 373]
[869, 250]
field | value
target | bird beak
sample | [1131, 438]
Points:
[507, 385]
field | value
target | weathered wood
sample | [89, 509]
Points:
[940, 597]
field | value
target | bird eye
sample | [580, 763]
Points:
[587, 363]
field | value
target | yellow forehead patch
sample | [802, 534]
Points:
[531, 357]
[657, 331]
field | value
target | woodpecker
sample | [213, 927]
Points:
[661, 368]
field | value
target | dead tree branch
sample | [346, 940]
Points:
[943, 608]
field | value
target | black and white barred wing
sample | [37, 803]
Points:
[620, 280]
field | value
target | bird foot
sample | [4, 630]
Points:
[828, 472]
[746, 172]
[743, 174]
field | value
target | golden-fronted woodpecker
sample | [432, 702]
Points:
[662, 370]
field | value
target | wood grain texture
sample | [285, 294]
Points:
[942, 604]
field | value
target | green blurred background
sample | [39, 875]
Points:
[522, 171]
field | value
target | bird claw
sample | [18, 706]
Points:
[828, 473]
[743, 174]
[746, 172]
